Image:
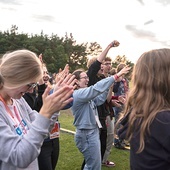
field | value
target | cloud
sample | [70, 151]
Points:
[42, 18]
[163, 2]
[9, 8]
[141, 1]
[146, 34]
[139, 33]
[14, 2]
[149, 22]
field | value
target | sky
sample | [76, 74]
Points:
[139, 25]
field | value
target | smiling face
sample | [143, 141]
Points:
[46, 76]
[83, 80]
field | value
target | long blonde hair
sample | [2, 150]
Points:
[19, 68]
[150, 92]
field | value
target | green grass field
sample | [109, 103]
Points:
[71, 159]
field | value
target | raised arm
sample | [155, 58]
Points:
[102, 56]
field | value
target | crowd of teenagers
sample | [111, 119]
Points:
[106, 111]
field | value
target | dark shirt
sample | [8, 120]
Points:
[156, 153]
[36, 102]
[94, 78]
[92, 73]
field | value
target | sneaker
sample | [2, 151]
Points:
[108, 164]
[119, 145]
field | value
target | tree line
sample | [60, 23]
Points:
[56, 51]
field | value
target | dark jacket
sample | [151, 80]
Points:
[156, 153]
[94, 78]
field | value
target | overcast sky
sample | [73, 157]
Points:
[139, 25]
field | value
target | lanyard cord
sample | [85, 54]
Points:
[6, 107]
[10, 112]
[17, 116]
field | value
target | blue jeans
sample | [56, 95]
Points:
[88, 143]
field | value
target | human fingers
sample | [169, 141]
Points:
[66, 69]
[60, 70]
[116, 43]
[58, 96]
[122, 99]
[46, 92]
[56, 101]
[116, 103]
[124, 70]
[61, 81]
[69, 79]
[58, 84]
[62, 97]
[60, 76]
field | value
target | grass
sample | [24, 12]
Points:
[71, 159]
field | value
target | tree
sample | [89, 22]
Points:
[122, 59]
[76, 53]
[57, 51]
[94, 49]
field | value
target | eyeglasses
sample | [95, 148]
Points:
[31, 86]
[107, 64]
[85, 77]
[45, 72]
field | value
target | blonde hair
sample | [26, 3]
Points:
[150, 92]
[19, 68]
[107, 59]
[91, 61]
[120, 66]
[113, 71]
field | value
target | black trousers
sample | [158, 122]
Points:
[49, 154]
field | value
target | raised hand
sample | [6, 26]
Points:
[115, 43]
[65, 80]
[124, 70]
[56, 101]
[62, 73]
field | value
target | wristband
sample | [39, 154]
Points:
[116, 76]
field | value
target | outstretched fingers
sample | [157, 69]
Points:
[63, 96]
[69, 79]
[56, 101]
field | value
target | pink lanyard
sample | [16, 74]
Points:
[6, 107]
[11, 114]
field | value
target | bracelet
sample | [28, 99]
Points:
[116, 76]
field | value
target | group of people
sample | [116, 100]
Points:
[29, 116]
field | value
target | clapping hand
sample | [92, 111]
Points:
[62, 94]
[56, 101]
[64, 78]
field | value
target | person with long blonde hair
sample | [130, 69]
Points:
[148, 112]
[23, 130]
